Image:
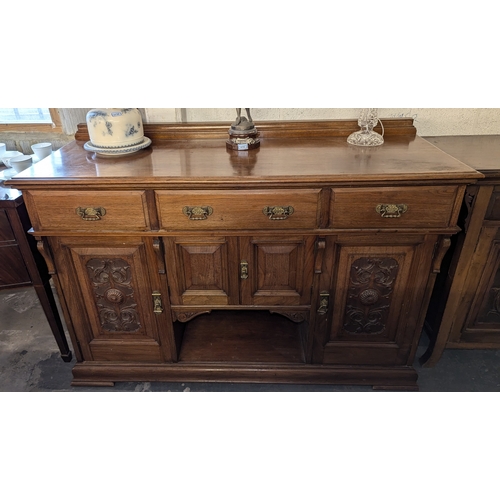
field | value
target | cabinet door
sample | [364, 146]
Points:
[118, 309]
[482, 323]
[376, 298]
[276, 270]
[202, 270]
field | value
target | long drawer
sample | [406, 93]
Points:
[89, 210]
[394, 207]
[238, 209]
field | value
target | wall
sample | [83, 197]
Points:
[429, 121]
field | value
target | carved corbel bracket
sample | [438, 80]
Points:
[320, 252]
[46, 255]
[469, 199]
[443, 246]
[158, 248]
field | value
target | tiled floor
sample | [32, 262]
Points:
[30, 361]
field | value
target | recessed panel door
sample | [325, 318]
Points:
[276, 271]
[202, 270]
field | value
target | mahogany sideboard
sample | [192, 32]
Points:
[22, 265]
[307, 260]
[465, 309]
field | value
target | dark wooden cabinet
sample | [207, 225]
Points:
[307, 260]
[465, 309]
[22, 265]
[13, 269]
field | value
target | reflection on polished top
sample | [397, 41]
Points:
[318, 159]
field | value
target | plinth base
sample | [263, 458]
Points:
[93, 373]
[243, 140]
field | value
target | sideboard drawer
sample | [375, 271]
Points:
[89, 210]
[239, 209]
[395, 207]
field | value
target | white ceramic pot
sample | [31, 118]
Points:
[6, 157]
[20, 163]
[42, 149]
[115, 127]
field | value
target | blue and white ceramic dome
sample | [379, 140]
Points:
[115, 127]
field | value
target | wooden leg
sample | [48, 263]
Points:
[49, 306]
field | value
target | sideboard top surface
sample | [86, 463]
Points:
[482, 152]
[207, 161]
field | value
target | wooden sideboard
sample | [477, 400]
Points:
[307, 260]
[22, 265]
[465, 309]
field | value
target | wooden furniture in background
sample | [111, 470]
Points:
[307, 260]
[22, 265]
[465, 309]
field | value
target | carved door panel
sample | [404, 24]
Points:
[483, 321]
[276, 271]
[376, 298]
[119, 310]
[202, 270]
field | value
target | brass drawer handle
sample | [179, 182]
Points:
[157, 305]
[278, 213]
[244, 270]
[197, 213]
[91, 213]
[390, 210]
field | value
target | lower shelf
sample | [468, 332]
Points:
[242, 336]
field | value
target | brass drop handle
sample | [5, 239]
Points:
[278, 212]
[244, 270]
[324, 301]
[91, 213]
[157, 305]
[391, 211]
[198, 213]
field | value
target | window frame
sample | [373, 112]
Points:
[55, 126]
